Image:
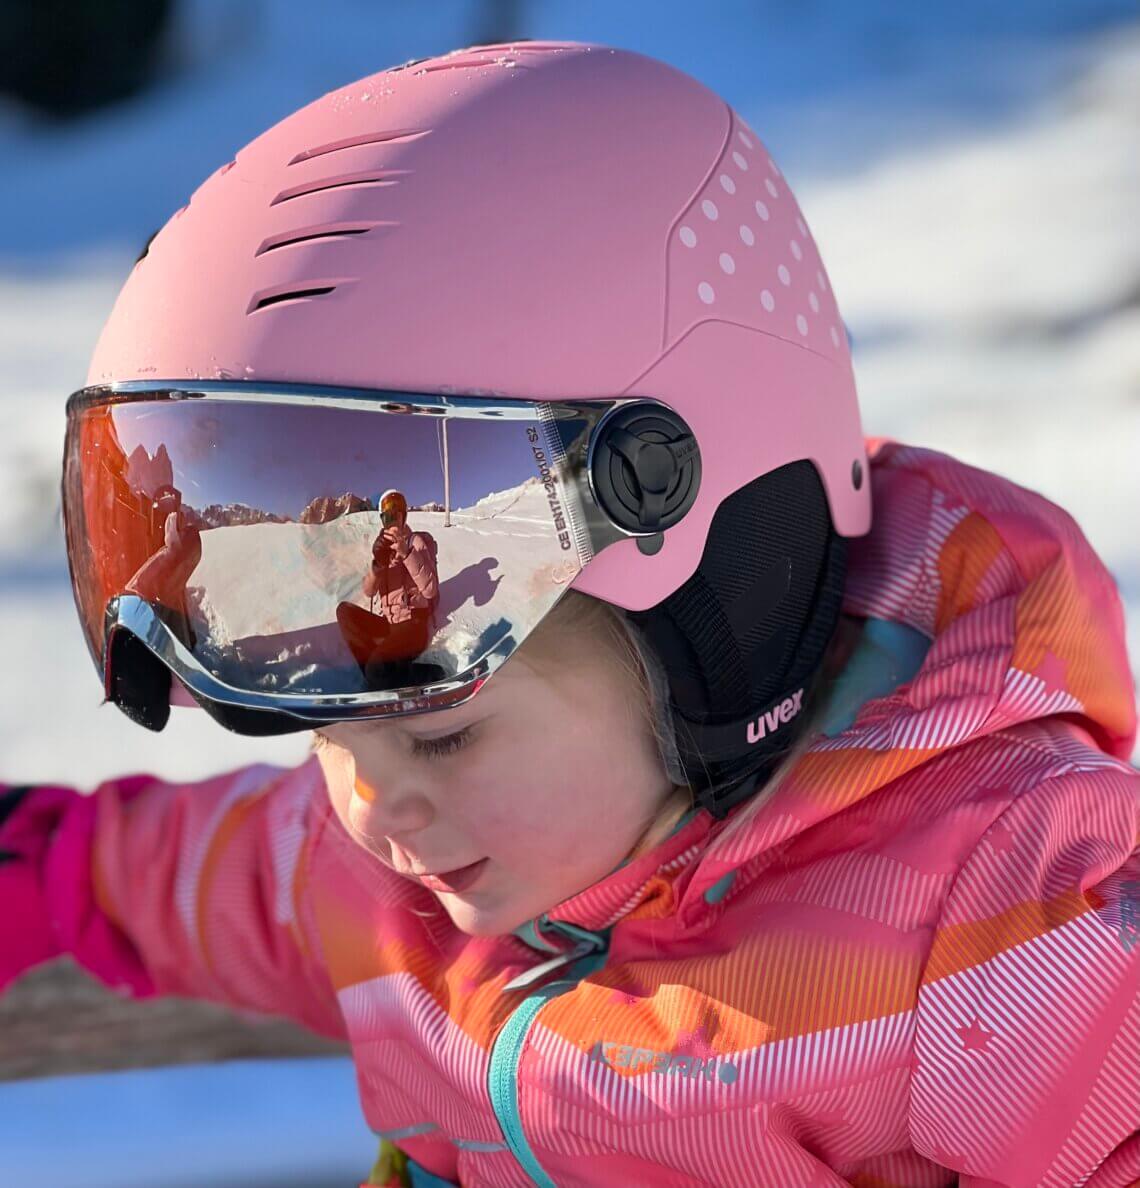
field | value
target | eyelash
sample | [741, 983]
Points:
[436, 748]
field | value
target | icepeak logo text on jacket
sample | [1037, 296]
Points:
[776, 717]
[665, 1063]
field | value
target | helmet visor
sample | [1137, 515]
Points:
[237, 529]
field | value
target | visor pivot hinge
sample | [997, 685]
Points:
[646, 468]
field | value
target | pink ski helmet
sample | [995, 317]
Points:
[541, 220]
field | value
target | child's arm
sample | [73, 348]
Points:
[158, 888]
[1027, 1067]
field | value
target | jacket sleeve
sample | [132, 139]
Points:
[1027, 1061]
[160, 888]
[422, 569]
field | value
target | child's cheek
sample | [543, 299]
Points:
[339, 771]
[361, 797]
[496, 804]
[363, 791]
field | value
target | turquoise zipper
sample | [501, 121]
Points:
[508, 1047]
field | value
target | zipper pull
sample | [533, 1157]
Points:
[530, 976]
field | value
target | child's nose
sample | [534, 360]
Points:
[388, 808]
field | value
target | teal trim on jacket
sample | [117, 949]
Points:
[886, 656]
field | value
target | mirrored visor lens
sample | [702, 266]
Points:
[253, 529]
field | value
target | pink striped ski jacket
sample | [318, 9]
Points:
[918, 965]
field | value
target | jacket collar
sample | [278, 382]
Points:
[641, 888]
[984, 604]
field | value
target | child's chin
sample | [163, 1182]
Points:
[479, 920]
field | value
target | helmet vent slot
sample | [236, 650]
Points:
[305, 234]
[469, 65]
[335, 146]
[289, 295]
[373, 177]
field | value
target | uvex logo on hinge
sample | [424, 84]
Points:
[777, 716]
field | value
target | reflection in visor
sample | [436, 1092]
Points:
[309, 548]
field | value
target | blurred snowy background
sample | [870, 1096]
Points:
[970, 171]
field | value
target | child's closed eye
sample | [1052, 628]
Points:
[435, 748]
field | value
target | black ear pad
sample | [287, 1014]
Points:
[746, 633]
[645, 467]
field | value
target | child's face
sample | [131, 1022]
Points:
[557, 779]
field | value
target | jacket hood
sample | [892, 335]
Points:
[991, 607]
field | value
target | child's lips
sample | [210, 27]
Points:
[454, 881]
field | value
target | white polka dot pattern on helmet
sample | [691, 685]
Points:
[752, 237]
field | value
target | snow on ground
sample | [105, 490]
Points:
[499, 561]
[243, 1124]
[245, 567]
